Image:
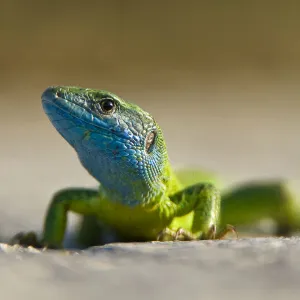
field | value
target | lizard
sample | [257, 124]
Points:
[139, 198]
[140, 194]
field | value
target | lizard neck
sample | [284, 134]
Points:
[129, 180]
[130, 188]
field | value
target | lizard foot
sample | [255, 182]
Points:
[175, 235]
[227, 229]
[213, 235]
[183, 235]
[26, 240]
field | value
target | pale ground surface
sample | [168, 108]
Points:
[228, 133]
[245, 269]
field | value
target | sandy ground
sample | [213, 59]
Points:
[244, 269]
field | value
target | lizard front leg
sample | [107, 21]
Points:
[201, 202]
[78, 200]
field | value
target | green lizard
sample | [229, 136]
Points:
[140, 197]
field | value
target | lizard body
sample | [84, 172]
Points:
[122, 147]
[140, 197]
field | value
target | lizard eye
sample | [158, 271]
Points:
[107, 106]
[59, 95]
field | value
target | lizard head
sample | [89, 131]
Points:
[117, 142]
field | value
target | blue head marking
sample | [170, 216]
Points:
[117, 142]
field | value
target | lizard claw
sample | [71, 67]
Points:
[227, 229]
[179, 232]
[187, 236]
[161, 235]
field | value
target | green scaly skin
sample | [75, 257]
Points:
[139, 197]
[246, 204]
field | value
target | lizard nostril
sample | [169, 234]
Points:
[49, 93]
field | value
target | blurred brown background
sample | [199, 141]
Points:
[221, 78]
